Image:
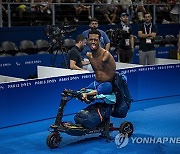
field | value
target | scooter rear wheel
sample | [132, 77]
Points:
[126, 128]
[53, 140]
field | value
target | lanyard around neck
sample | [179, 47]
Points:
[150, 27]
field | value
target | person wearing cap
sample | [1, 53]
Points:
[146, 34]
[127, 46]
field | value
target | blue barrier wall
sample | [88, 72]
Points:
[26, 66]
[33, 100]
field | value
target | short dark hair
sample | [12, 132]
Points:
[80, 38]
[95, 31]
[93, 19]
[147, 13]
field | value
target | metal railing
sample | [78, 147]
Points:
[16, 17]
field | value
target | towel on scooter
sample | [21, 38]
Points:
[107, 98]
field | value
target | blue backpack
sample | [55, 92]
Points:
[123, 96]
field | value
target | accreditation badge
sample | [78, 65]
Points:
[127, 42]
[148, 41]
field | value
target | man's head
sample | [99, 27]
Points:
[80, 42]
[147, 17]
[94, 39]
[93, 23]
[124, 17]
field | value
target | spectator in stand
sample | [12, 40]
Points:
[162, 14]
[97, 7]
[125, 4]
[68, 11]
[109, 11]
[174, 13]
[22, 8]
[82, 7]
[45, 6]
[104, 40]
[140, 10]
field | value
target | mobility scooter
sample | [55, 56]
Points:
[54, 138]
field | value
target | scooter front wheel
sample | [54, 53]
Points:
[53, 140]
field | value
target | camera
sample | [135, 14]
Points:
[57, 33]
[117, 37]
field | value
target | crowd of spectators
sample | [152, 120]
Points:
[39, 12]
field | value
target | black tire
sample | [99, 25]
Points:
[53, 140]
[126, 128]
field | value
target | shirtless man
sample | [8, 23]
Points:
[103, 65]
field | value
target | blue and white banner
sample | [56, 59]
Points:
[26, 66]
[38, 99]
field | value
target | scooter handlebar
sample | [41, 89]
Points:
[78, 95]
[72, 93]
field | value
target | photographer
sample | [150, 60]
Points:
[127, 45]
